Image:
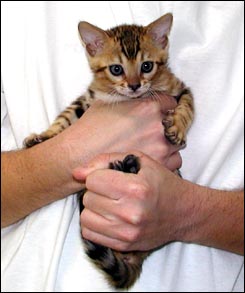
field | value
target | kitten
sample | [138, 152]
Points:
[128, 62]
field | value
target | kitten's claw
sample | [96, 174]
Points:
[167, 123]
[170, 111]
[175, 137]
[32, 140]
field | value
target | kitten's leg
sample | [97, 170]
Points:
[178, 121]
[62, 121]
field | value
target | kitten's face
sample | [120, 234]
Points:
[128, 61]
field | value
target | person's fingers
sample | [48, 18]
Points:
[105, 240]
[96, 224]
[101, 204]
[112, 184]
[174, 162]
[100, 162]
[128, 208]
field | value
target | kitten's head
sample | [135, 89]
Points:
[128, 61]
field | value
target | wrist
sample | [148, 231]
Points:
[190, 209]
[54, 161]
[185, 210]
[212, 217]
[201, 205]
[33, 178]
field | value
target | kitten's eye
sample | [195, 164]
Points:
[147, 67]
[116, 70]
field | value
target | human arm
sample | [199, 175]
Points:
[32, 178]
[141, 212]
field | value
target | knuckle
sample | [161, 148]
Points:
[136, 215]
[85, 199]
[122, 246]
[130, 235]
[139, 190]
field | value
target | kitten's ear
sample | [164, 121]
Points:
[160, 29]
[93, 37]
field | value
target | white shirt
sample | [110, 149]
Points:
[44, 68]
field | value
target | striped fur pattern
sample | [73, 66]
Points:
[128, 62]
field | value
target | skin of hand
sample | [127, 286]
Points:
[135, 124]
[43, 173]
[122, 210]
[143, 211]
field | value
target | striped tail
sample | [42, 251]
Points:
[121, 269]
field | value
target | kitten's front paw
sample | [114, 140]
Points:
[174, 130]
[32, 140]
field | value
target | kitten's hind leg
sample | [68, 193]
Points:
[130, 164]
[62, 121]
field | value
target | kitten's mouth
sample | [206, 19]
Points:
[134, 95]
[140, 96]
[136, 98]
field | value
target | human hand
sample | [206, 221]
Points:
[133, 125]
[130, 211]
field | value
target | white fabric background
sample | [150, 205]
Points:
[44, 68]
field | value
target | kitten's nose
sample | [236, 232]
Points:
[134, 87]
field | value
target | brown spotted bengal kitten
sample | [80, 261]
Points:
[128, 62]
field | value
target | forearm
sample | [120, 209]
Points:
[33, 178]
[214, 218]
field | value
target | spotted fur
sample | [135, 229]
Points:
[128, 47]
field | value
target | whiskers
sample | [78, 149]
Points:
[152, 94]
[114, 98]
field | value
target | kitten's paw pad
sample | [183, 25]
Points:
[130, 164]
[32, 140]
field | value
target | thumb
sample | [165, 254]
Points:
[99, 162]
